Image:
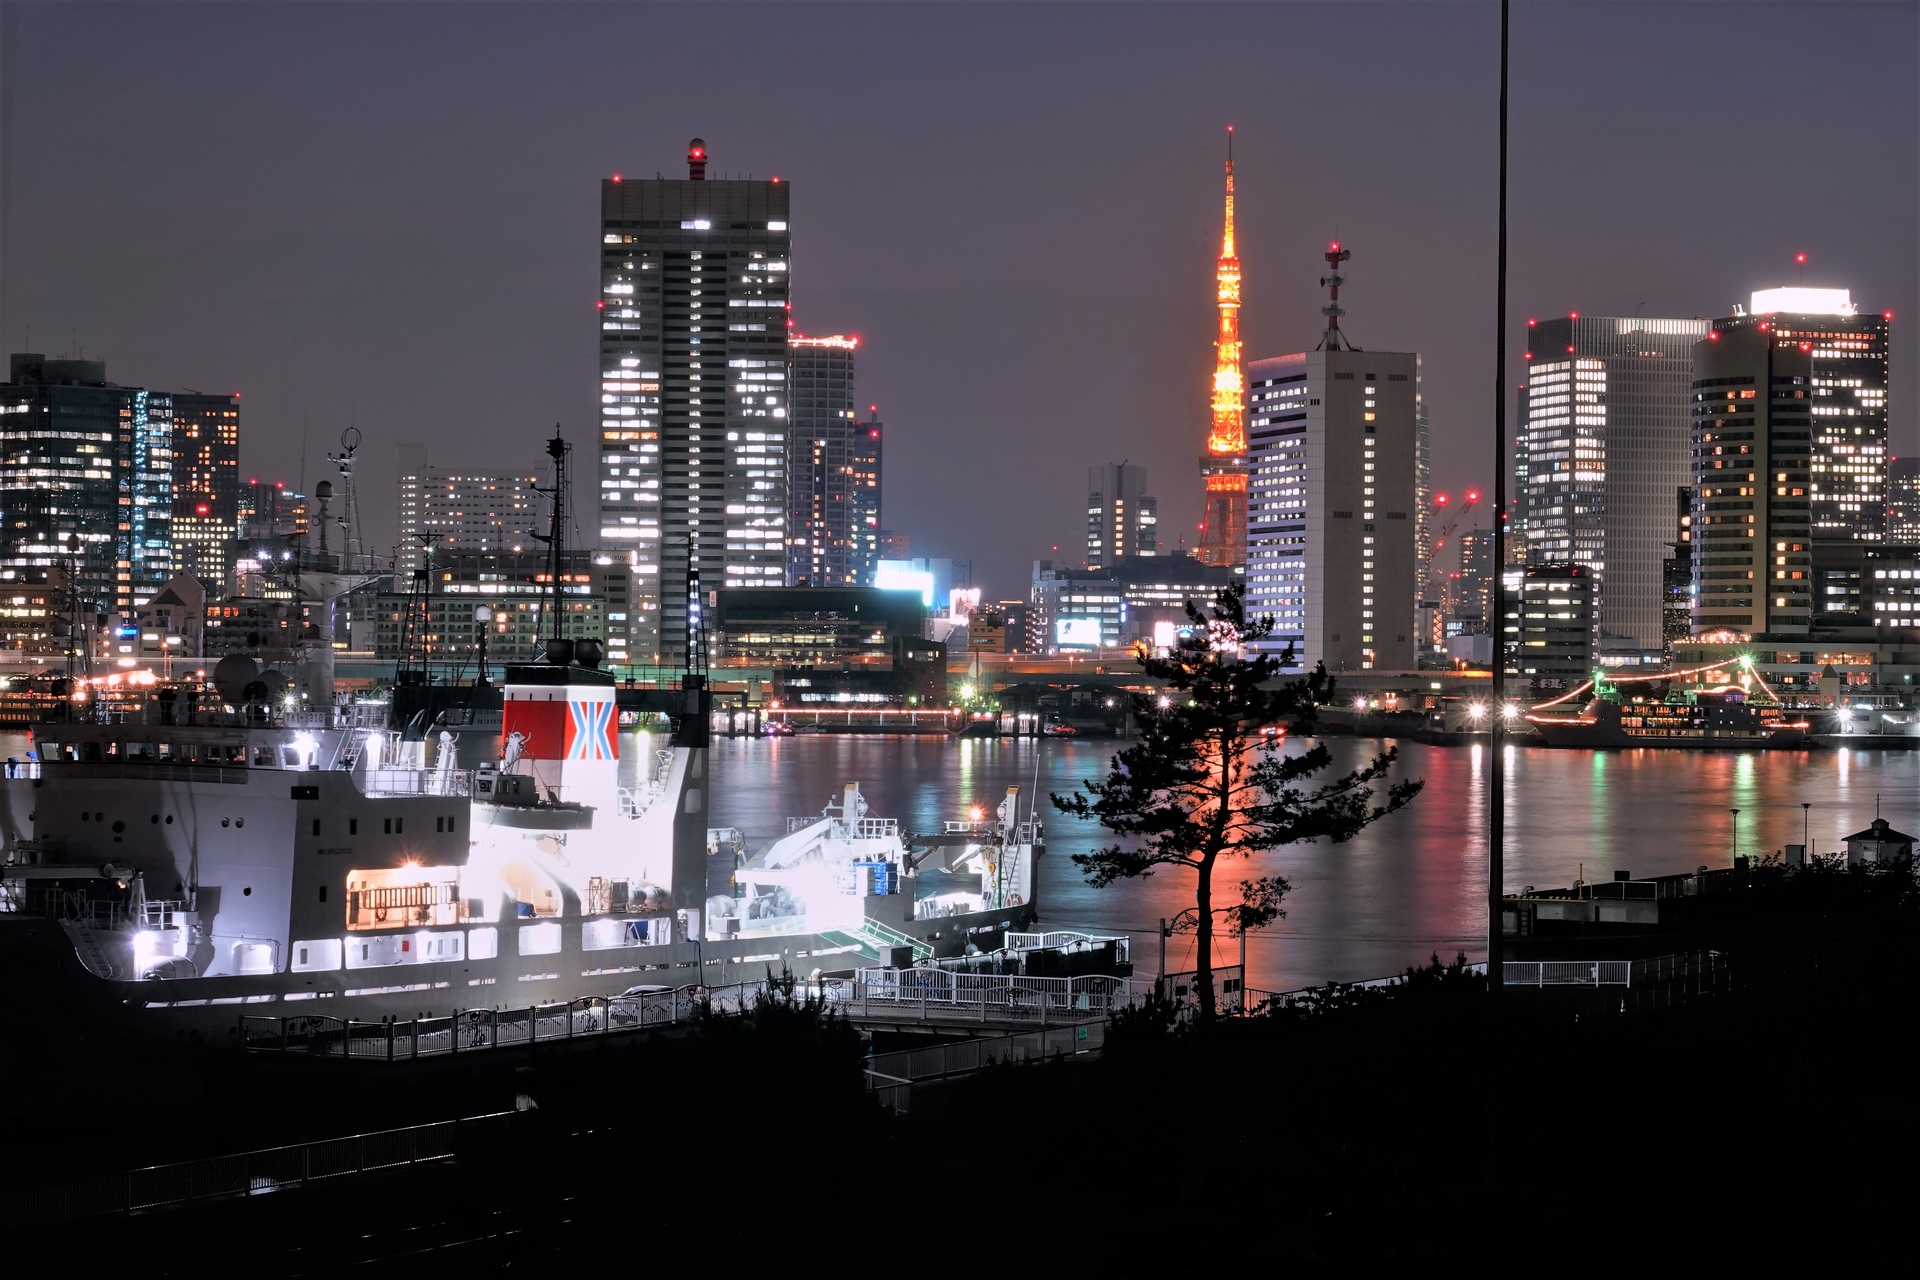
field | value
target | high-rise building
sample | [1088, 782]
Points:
[867, 439]
[1848, 490]
[1332, 527]
[1123, 519]
[693, 389]
[206, 484]
[1752, 537]
[1607, 429]
[1550, 611]
[1903, 500]
[1473, 593]
[86, 474]
[1223, 528]
[823, 544]
[463, 510]
[1676, 574]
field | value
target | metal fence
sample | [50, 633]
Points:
[1568, 973]
[251, 1173]
[891, 1076]
[480, 1030]
[1062, 941]
[983, 997]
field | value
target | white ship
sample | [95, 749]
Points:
[169, 869]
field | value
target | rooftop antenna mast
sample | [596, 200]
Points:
[1333, 340]
[350, 547]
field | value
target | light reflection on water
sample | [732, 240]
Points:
[1413, 885]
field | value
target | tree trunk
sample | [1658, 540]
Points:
[1203, 942]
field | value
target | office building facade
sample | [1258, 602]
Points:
[1903, 500]
[86, 476]
[1123, 519]
[823, 542]
[206, 484]
[1550, 608]
[693, 390]
[463, 511]
[1607, 433]
[868, 437]
[1752, 447]
[1332, 529]
[1847, 493]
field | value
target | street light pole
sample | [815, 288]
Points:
[1733, 832]
[1806, 829]
[1496, 738]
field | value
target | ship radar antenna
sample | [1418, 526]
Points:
[350, 547]
[556, 535]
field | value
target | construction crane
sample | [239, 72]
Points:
[1440, 504]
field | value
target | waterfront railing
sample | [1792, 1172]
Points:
[250, 1173]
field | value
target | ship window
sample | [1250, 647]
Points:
[84, 817]
[323, 893]
[155, 819]
[316, 826]
[169, 819]
[263, 757]
[353, 826]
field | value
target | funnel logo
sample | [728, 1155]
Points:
[590, 731]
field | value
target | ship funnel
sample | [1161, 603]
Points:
[560, 652]
[587, 652]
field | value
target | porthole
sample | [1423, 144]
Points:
[118, 826]
[226, 822]
[169, 819]
[156, 818]
[99, 817]
[247, 892]
[239, 822]
[85, 817]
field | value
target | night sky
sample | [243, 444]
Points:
[388, 214]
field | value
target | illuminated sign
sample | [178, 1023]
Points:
[1082, 632]
[900, 575]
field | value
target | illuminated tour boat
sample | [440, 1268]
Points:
[1720, 707]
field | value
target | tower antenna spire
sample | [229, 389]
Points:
[1333, 339]
[1223, 536]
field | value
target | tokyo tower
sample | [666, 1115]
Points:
[1223, 530]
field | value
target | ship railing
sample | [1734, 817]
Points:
[21, 768]
[999, 996]
[1065, 941]
[482, 1030]
[950, 1058]
[417, 782]
[968, 828]
[877, 828]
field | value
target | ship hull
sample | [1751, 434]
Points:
[1598, 735]
[40, 967]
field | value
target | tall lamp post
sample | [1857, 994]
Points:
[1497, 769]
[1733, 832]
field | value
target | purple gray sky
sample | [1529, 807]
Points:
[386, 214]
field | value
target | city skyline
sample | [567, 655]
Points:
[306, 296]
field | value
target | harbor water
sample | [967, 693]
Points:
[1409, 887]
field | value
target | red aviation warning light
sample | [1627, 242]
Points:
[1440, 500]
[1473, 496]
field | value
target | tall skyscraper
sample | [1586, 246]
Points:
[1849, 351]
[463, 510]
[206, 484]
[867, 439]
[1607, 428]
[1903, 500]
[1123, 519]
[86, 472]
[693, 389]
[1331, 519]
[1223, 529]
[822, 543]
[1752, 535]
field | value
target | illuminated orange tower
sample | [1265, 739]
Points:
[1223, 531]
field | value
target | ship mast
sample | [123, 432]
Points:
[1223, 535]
